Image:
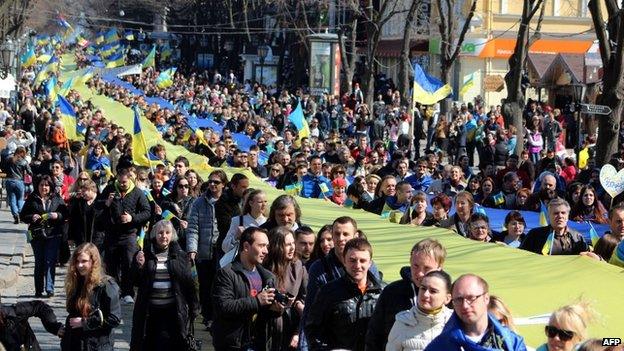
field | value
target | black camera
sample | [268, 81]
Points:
[282, 298]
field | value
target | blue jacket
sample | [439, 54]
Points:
[453, 338]
[311, 186]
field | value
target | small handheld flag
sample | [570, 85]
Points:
[548, 246]
[168, 215]
[543, 216]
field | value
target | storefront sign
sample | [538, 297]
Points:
[493, 83]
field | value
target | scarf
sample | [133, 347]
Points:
[118, 189]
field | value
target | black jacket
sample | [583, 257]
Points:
[83, 228]
[536, 239]
[52, 227]
[134, 203]
[96, 335]
[242, 322]
[338, 318]
[226, 207]
[396, 297]
[16, 331]
[182, 284]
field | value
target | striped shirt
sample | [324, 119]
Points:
[162, 292]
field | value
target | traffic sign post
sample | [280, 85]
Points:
[595, 109]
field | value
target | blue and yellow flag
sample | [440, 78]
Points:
[111, 36]
[29, 58]
[68, 117]
[129, 35]
[140, 154]
[469, 82]
[99, 38]
[547, 249]
[293, 189]
[167, 215]
[543, 216]
[617, 258]
[150, 59]
[141, 239]
[499, 199]
[428, 90]
[50, 90]
[165, 53]
[165, 78]
[297, 118]
[67, 86]
[116, 60]
[593, 234]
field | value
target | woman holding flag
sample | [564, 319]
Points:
[166, 302]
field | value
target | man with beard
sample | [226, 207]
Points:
[547, 192]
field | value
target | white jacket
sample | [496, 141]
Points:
[414, 330]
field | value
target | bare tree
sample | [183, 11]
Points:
[514, 103]
[404, 68]
[375, 20]
[611, 43]
[450, 47]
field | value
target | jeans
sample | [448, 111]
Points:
[46, 257]
[15, 195]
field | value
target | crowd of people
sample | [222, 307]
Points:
[178, 246]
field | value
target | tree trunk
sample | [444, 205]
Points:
[611, 42]
[405, 63]
[514, 103]
[369, 78]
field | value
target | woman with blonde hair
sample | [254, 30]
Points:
[567, 327]
[255, 205]
[501, 312]
[92, 302]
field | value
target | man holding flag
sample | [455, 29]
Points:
[126, 211]
[555, 238]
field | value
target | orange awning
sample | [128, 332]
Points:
[504, 47]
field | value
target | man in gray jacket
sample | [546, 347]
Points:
[202, 235]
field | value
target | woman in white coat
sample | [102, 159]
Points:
[415, 328]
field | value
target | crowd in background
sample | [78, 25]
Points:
[178, 246]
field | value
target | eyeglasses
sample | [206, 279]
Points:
[215, 182]
[469, 299]
[83, 179]
[479, 227]
[564, 335]
[183, 186]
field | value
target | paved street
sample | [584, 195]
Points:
[23, 290]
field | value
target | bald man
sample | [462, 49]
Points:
[471, 327]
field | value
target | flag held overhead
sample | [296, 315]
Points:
[427, 89]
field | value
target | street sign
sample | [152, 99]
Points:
[595, 109]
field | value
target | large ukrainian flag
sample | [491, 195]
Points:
[68, 117]
[427, 89]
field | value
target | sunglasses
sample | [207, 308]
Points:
[83, 179]
[564, 335]
[183, 186]
[216, 182]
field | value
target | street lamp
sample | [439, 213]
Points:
[263, 51]
[579, 91]
[7, 56]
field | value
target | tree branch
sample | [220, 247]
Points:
[464, 30]
[601, 31]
